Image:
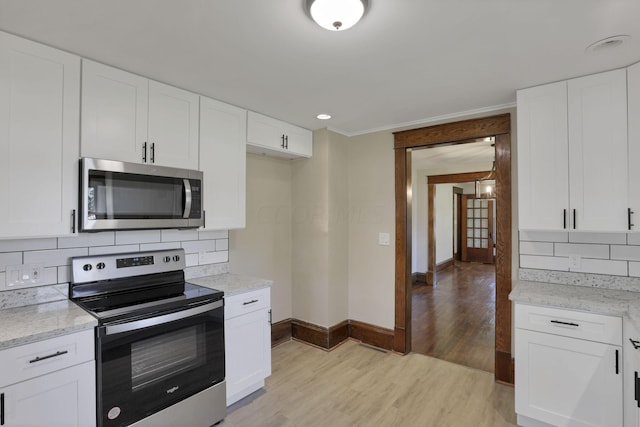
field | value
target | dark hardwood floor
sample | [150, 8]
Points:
[455, 321]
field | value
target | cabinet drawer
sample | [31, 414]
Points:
[248, 302]
[575, 324]
[39, 358]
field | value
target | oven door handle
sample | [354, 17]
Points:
[159, 320]
[187, 198]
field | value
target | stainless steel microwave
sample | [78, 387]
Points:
[130, 196]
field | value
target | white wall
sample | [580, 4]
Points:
[443, 225]
[264, 247]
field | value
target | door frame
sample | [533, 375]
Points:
[498, 126]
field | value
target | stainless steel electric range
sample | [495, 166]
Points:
[159, 340]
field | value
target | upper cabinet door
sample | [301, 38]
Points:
[633, 102]
[114, 113]
[299, 140]
[173, 126]
[266, 135]
[598, 151]
[223, 136]
[39, 138]
[543, 164]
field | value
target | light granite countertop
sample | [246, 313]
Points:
[27, 324]
[232, 284]
[599, 300]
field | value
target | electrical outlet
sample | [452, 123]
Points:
[384, 239]
[575, 262]
[19, 276]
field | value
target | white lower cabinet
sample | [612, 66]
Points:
[631, 353]
[247, 331]
[49, 383]
[568, 368]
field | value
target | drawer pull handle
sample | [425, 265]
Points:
[636, 343]
[559, 322]
[2, 404]
[56, 354]
[617, 362]
[250, 302]
[636, 382]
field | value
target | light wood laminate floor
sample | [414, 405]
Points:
[355, 385]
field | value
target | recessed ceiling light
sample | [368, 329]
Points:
[608, 43]
[323, 116]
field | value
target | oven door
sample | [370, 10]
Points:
[147, 365]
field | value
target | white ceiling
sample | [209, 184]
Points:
[407, 60]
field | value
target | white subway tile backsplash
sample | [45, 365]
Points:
[217, 234]
[179, 235]
[583, 250]
[633, 238]
[104, 238]
[99, 250]
[199, 246]
[213, 257]
[544, 262]
[628, 253]
[597, 237]
[49, 276]
[159, 246]
[16, 245]
[192, 260]
[543, 236]
[137, 236]
[10, 258]
[222, 245]
[536, 248]
[53, 258]
[64, 274]
[603, 266]
[634, 269]
[2, 281]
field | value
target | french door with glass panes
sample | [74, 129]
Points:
[477, 229]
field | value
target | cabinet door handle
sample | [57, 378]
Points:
[2, 404]
[250, 302]
[636, 386]
[153, 152]
[635, 343]
[574, 219]
[629, 213]
[73, 221]
[56, 354]
[286, 141]
[144, 152]
[270, 318]
[559, 322]
[282, 138]
[617, 362]
[564, 219]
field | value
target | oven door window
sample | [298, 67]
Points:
[144, 371]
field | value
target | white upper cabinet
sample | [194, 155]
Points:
[130, 118]
[572, 154]
[633, 95]
[543, 151]
[39, 139]
[223, 136]
[598, 151]
[266, 135]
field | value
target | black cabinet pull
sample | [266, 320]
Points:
[144, 152]
[629, 213]
[635, 343]
[270, 318]
[56, 354]
[564, 219]
[559, 322]
[574, 219]
[2, 405]
[617, 362]
[250, 302]
[286, 142]
[73, 221]
[282, 138]
[636, 387]
[153, 152]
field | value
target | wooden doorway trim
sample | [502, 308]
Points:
[432, 180]
[454, 133]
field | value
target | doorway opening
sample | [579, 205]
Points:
[461, 132]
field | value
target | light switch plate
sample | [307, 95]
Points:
[384, 239]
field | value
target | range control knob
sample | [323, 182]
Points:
[176, 258]
[100, 265]
[166, 259]
[87, 267]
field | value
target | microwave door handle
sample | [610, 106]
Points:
[187, 198]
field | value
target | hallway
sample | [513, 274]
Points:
[455, 321]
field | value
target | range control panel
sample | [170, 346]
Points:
[112, 266]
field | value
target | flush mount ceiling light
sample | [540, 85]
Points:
[608, 43]
[336, 15]
[323, 116]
